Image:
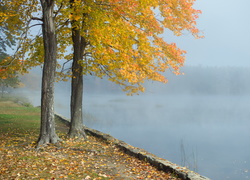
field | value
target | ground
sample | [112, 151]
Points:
[69, 159]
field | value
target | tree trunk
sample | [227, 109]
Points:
[47, 128]
[76, 125]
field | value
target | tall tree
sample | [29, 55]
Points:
[29, 44]
[47, 131]
[123, 40]
[79, 45]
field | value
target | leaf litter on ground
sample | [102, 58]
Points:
[69, 159]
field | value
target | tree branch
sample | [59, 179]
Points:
[62, 70]
[36, 18]
[56, 13]
[62, 25]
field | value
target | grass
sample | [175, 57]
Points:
[17, 117]
[70, 159]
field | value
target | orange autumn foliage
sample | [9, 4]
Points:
[124, 37]
[125, 40]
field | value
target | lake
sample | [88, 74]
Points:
[208, 134]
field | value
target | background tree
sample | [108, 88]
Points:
[12, 82]
[79, 45]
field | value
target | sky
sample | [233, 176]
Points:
[226, 27]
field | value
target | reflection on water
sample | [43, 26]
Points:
[188, 160]
[210, 134]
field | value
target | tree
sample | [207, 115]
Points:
[79, 45]
[20, 24]
[123, 40]
[47, 131]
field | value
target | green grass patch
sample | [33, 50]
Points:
[19, 121]
[14, 115]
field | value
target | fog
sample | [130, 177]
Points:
[199, 120]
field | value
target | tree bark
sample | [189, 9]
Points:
[76, 125]
[47, 128]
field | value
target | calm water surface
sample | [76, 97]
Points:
[208, 134]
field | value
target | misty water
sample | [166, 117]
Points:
[206, 130]
[209, 134]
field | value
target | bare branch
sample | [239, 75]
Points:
[63, 24]
[36, 18]
[62, 70]
[57, 12]
[87, 54]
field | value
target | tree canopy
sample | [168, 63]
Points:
[124, 38]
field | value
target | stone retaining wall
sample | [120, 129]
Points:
[141, 154]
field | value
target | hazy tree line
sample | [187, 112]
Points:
[212, 80]
[196, 80]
